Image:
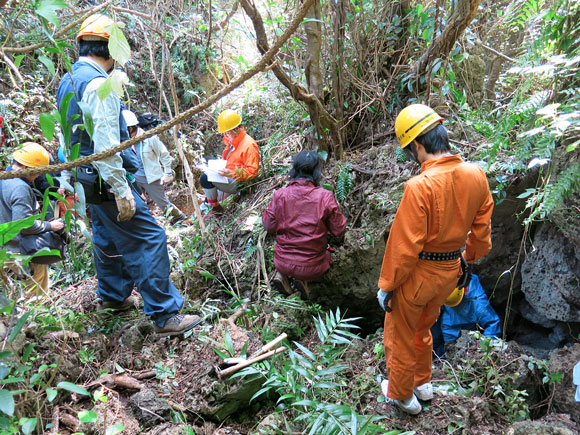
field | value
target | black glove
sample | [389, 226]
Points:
[465, 278]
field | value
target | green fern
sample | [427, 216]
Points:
[528, 11]
[533, 103]
[344, 182]
[308, 382]
[401, 155]
[547, 199]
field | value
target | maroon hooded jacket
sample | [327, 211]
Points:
[302, 215]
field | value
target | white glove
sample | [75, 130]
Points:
[126, 206]
[167, 179]
[384, 298]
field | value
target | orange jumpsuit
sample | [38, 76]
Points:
[243, 156]
[447, 203]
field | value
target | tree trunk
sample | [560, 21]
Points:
[337, 82]
[442, 46]
[324, 122]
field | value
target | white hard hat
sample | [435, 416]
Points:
[130, 118]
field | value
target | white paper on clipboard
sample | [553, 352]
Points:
[213, 168]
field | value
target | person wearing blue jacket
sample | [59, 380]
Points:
[473, 312]
[130, 246]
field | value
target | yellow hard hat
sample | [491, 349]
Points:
[455, 297]
[97, 27]
[32, 155]
[413, 121]
[228, 119]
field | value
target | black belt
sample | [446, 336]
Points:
[439, 256]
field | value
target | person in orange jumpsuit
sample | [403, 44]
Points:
[241, 154]
[445, 207]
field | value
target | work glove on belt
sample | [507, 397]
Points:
[167, 179]
[384, 298]
[126, 206]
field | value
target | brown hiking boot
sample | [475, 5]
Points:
[112, 304]
[178, 324]
[280, 282]
[302, 286]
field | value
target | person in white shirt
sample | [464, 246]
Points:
[154, 168]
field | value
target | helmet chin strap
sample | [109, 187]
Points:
[411, 151]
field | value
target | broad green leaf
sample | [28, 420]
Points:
[115, 429]
[304, 403]
[527, 193]
[118, 80]
[9, 230]
[73, 388]
[206, 274]
[118, 45]
[6, 403]
[87, 117]
[18, 60]
[28, 425]
[27, 353]
[228, 341]
[105, 89]
[19, 325]
[46, 10]
[87, 416]
[6, 354]
[51, 394]
[49, 64]
[47, 125]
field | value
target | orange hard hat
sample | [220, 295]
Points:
[32, 155]
[97, 27]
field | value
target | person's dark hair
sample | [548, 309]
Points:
[306, 164]
[435, 141]
[94, 48]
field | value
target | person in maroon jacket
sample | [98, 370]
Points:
[302, 214]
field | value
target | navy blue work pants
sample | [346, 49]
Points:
[131, 253]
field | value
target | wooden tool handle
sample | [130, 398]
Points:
[238, 367]
[269, 345]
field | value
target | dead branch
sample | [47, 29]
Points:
[223, 23]
[117, 380]
[69, 421]
[145, 375]
[132, 12]
[497, 53]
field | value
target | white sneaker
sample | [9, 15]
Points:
[424, 392]
[410, 406]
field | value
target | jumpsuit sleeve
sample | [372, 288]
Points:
[106, 134]
[479, 238]
[335, 221]
[164, 156]
[269, 216]
[406, 238]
